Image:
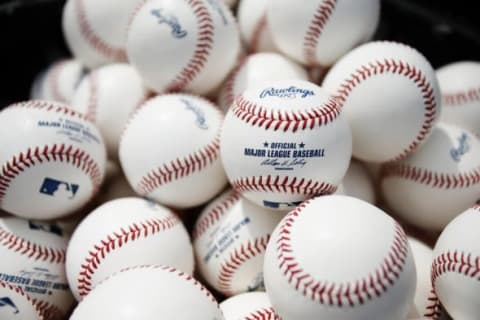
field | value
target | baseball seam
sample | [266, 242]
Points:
[432, 310]
[315, 30]
[454, 261]
[93, 39]
[54, 81]
[259, 116]
[351, 293]
[116, 240]
[431, 178]
[91, 112]
[288, 184]
[48, 310]
[48, 153]
[19, 290]
[214, 214]
[262, 314]
[239, 256]
[30, 249]
[203, 47]
[406, 70]
[458, 99]
[47, 106]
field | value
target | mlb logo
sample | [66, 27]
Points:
[6, 302]
[58, 188]
[277, 205]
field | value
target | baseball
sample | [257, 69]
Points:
[389, 93]
[58, 82]
[258, 70]
[460, 87]
[124, 233]
[107, 97]
[230, 238]
[197, 39]
[285, 142]
[247, 306]
[324, 262]
[95, 31]
[33, 259]
[184, 170]
[357, 183]
[50, 155]
[456, 266]
[16, 305]
[254, 27]
[318, 32]
[147, 293]
[425, 303]
[437, 182]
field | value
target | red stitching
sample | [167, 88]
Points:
[47, 310]
[93, 39]
[31, 249]
[340, 294]
[456, 262]
[433, 309]
[431, 178]
[400, 68]
[47, 106]
[460, 98]
[315, 30]
[237, 258]
[54, 81]
[257, 32]
[214, 214]
[19, 290]
[179, 167]
[91, 112]
[61, 153]
[116, 240]
[203, 47]
[262, 117]
[263, 314]
[286, 184]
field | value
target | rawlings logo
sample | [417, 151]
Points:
[290, 92]
[171, 21]
[7, 302]
[464, 147]
[201, 121]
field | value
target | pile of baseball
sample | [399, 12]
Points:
[278, 161]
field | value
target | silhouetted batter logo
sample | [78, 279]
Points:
[50, 228]
[58, 188]
[6, 302]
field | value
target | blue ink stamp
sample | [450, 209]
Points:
[57, 188]
[463, 148]
[6, 302]
[50, 228]
[277, 205]
[200, 121]
[170, 20]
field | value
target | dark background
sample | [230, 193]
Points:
[31, 36]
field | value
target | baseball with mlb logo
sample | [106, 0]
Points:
[15, 304]
[52, 160]
[284, 143]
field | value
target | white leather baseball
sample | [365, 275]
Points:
[258, 70]
[248, 306]
[50, 155]
[184, 170]
[460, 87]
[389, 93]
[456, 266]
[324, 261]
[95, 31]
[254, 27]
[357, 183]
[437, 182]
[16, 305]
[33, 259]
[123, 233]
[425, 304]
[107, 97]
[318, 32]
[147, 293]
[285, 142]
[230, 238]
[184, 45]
[59, 81]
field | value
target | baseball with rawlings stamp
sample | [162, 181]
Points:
[170, 171]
